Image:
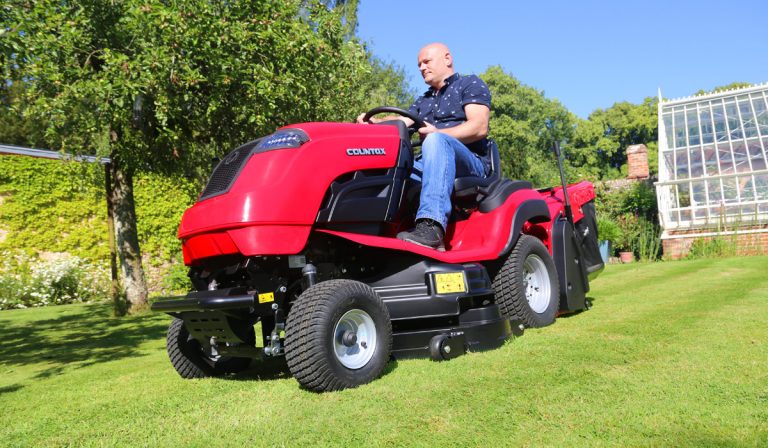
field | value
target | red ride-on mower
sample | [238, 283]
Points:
[296, 230]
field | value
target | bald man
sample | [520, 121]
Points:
[456, 110]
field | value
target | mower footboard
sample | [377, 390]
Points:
[477, 329]
[221, 318]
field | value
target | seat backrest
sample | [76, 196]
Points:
[466, 187]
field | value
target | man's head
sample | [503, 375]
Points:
[435, 64]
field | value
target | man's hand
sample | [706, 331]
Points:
[370, 120]
[427, 129]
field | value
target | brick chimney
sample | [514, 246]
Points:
[637, 162]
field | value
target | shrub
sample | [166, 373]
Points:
[629, 231]
[718, 246]
[608, 230]
[27, 282]
[649, 241]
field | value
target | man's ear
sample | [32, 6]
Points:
[448, 60]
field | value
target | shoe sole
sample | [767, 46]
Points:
[440, 248]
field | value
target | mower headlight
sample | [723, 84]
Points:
[286, 138]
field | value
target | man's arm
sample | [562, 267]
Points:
[472, 130]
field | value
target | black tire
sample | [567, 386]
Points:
[536, 307]
[311, 342]
[190, 360]
[436, 347]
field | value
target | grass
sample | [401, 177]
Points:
[672, 354]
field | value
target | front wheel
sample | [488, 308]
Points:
[338, 335]
[526, 287]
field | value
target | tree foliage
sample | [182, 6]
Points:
[525, 124]
[600, 142]
[15, 127]
[386, 86]
[160, 84]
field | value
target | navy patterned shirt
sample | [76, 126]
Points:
[444, 108]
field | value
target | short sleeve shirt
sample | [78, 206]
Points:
[444, 108]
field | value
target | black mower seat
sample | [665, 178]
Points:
[486, 193]
[466, 187]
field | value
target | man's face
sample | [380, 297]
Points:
[435, 64]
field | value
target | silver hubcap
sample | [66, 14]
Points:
[354, 339]
[536, 283]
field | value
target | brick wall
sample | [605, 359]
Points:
[741, 244]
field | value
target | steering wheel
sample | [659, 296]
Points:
[417, 122]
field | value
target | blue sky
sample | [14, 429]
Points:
[587, 54]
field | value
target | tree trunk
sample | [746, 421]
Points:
[127, 239]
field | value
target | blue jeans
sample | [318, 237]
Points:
[443, 159]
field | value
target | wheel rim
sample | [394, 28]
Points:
[536, 283]
[358, 323]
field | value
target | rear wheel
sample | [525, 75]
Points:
[338, 335]
[192, 360]
[526, 287]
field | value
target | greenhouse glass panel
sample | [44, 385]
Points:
[669, 131]
[741, 157]
[721, 130]
[693, 127]
[761, 187]
[756, 155]
[730, 193]
[725, 158]
[669, 163]
[715, 194]
[699, 195]
[685, 216]
[679, 129]
[697, 167]
[710, 160]
[707, 132]
[732, 114]
[748, 119]
[681, 156]
[761, 114]
[747, 189]
[683, 192]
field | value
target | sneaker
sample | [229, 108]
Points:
[427, 233]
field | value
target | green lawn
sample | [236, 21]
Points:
[672, 354]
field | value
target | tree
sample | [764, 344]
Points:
[164, 86]
[386, 86]
[525, 124]
[600, 142]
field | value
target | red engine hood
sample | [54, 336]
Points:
[286, 186]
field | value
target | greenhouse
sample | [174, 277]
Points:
[713, 166]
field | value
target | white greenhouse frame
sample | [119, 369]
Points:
[713, 162]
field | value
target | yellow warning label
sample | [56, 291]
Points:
[450, 282]
[267, 297]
